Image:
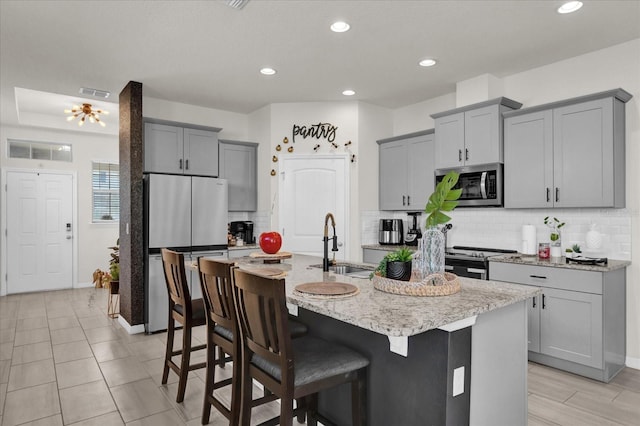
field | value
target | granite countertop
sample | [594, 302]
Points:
[559, 262]
[388, 247]
[245, 247]
[390, 314]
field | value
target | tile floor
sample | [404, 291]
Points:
[64, 362]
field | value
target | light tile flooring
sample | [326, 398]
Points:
[64, 362]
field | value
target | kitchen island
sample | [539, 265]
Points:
[458, 359]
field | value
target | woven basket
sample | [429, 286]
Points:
[445, 284]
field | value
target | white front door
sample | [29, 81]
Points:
[310, 187]
[39, 231]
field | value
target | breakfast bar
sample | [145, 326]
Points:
[449, 360]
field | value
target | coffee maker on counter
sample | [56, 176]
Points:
[242, 230]
[414, 233]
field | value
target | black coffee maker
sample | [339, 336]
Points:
[244, 229]
[414, 233]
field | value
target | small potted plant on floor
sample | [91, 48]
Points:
[114, 268]
[396, 265]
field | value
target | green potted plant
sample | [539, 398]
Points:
[395, 265]
[432, 243]
[114, 268]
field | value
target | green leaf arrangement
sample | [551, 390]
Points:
[443, 199]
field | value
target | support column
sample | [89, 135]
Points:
[131, 206]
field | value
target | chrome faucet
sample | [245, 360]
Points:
[325, 259]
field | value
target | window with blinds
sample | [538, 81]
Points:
[105, 183]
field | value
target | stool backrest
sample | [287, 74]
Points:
[176, 278]
[262, 319]
[217, 291]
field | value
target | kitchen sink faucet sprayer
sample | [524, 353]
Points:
[325, 259]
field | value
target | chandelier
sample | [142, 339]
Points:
[85, 112]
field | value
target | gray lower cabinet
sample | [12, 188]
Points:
[566, 154]
[406, 171]
[175, 149]
[238, 164]
[578, 323]
[471, 135]
[374, 256]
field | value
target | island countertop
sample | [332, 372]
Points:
[560, 262]
[391, 314]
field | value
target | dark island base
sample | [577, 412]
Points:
[413, 390]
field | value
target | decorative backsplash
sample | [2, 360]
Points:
[502, 228]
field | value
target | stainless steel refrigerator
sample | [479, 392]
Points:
[187, 214]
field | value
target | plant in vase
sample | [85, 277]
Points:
[395, 265]
[556, 241]
[432, 244]
[114, 268]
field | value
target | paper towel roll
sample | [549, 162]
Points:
[529, 239]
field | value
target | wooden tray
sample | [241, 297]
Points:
[327, 289]
[269, 272]
[270, 258]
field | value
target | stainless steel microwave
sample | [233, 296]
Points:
[482, 186]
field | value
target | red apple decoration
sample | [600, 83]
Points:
[270, 242]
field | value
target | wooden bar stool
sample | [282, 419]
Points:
[291, 369]
[222, 328]
[189, 313]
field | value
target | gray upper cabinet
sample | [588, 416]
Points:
[406, 171]
[471, 135]
[180, 150]
[567, 154]
[528, 160]
[238, 164]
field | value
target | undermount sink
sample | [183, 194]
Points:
[349, 270]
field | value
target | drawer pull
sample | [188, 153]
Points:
[538, 276]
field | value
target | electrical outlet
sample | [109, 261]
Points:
[458, 381]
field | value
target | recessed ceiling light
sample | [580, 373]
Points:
[429, 62]
[340, 27]
[348, 92]
[570, 6]
[267, 71]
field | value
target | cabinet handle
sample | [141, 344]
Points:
[459, 155]
[466, 154]
[543, 301]
[403, 200]
[538, 276]
[557, 194]
[534, 301]
[180, 163]
[186, 162]
[408, 200]
[548, 195]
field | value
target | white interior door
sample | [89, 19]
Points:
[310, 187]
[39, 231]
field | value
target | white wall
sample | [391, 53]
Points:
[92, 239]
[344, 115]
[234, 125]
[617, 66]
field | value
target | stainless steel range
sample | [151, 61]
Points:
[472, 262]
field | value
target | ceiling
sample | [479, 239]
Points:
[208, 54]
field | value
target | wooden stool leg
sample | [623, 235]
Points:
[167, 357]
[184, 364]
[210, 379]
[359, 399]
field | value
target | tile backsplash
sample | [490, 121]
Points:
[502, 228]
